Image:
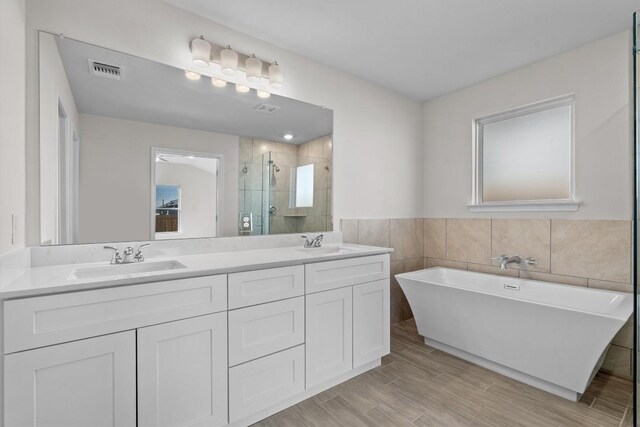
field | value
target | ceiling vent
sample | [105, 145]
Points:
[267, 108]
[101, 69]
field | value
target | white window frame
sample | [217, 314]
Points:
[546, 205]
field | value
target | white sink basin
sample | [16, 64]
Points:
[327, 250]
[124, 269]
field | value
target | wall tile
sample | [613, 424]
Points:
[400, 312]
[624, 338]
[413, 264]
[435, 238]
[435, 262]
[469, 240]
[594, 249]
[403, 238]
[610, 286]
[618, 361]
[246, 149]
[490, 269]
[419, 238]
[349, 229]
[373, 232]
[546, 277]
[524, 237]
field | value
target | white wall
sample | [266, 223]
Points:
[377, 133]
[599, 76]
[115, 175]
[197, 198]
[12, 124]
[54, 90]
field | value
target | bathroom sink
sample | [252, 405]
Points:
[125, 269]
[327, 250]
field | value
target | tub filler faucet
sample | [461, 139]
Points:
[506, 260]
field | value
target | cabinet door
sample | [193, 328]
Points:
[182, 372]
[370, 321]
[91, 382]
[329, 335]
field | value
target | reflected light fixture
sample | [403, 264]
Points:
[242, 88]
[276, 77]
[200, 52]
[263, 93]
[192, 75]
[228, 61]
[218, 82]
[254, 68]
[288, 136]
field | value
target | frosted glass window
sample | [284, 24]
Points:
[304, 186]
[526, 155]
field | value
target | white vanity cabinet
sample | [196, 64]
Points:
[182, 372]
[371, 322]
[91, 382]
[347, 315]
[204, 351]
[329, 335]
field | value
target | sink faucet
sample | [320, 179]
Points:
[130, 256]
[316, 242]
[506, 260]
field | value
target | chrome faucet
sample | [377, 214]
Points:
[316, 242]
[130, 256]
[506, 260]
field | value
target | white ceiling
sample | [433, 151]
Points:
[422, 48]
[157, 93]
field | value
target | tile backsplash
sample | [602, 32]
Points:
[590, 253]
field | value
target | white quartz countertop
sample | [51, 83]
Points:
[61, 278]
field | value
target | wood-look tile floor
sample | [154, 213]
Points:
[421, 386]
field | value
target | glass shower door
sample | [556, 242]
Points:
[636, 207]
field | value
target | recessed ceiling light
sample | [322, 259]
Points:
[263, 94]
[190, 157]
[192, 75]
[288, 137]
[218, 82]
[242, 88]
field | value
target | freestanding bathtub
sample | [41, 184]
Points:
[548, 335]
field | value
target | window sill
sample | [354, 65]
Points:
[533, 206]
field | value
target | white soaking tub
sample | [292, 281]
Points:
[548, 335]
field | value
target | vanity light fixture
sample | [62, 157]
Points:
[254, 68]
[288, 136]
[204, 53]
[242, 88]
[200, 52]
[263, 93]
[192, 75]
[218, 82]
[229, 61]
[276, 76]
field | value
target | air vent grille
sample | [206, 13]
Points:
[101, 69]
[267, 108]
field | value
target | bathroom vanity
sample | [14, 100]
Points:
[220, 341]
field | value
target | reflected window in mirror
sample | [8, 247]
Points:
[524, 158]
[304, 187]
[167, 209]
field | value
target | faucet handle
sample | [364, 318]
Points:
[116, 258]
[139, 257]
[499, 258]
[531, 261]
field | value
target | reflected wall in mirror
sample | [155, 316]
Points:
[221, 163]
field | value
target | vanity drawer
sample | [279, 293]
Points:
[262, 383]
[323, 276]
[260, 286]
[264, 329]
[40, 321]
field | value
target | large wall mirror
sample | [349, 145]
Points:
[131, 149]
